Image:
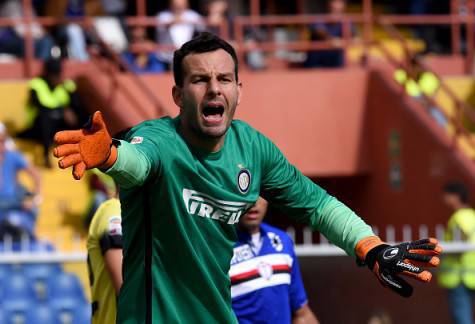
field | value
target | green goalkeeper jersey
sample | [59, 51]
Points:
[180, 205]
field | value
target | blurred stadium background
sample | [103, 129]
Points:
[350, 126]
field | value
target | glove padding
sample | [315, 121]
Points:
[388, 262]
[87, 148]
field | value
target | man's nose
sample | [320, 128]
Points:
[214, 87]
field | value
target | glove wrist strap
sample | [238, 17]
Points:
[110, 160]
[365, 245]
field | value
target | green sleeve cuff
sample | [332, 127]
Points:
[132, 167]
[341, 226]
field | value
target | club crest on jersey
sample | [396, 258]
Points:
[244, 180]
[265, 270]
[136, 140]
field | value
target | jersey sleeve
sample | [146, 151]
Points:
[296, 195]
[107, 226]
[297, 294]
[111, 237]
[138, 158]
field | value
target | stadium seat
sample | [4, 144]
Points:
[41, 270]
[12, 316]
[4, 271]
[82, 314]
[17, 291]
[65, 292]
[39, 275]
[41, 314]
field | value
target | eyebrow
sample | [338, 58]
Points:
[206, 75]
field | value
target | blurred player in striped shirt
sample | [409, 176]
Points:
[266, 285]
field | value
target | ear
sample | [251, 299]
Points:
[177, 95]
[239, 89]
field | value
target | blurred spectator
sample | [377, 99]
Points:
[102, 187]
[331, 32]
[180, 25]
[12, 38]
[141, 57]
[436, 37]
[269, 296]
[217, 15]
[75, 34]
[380, 317]
[53, 106]
[18, 206]
[116, 8]
[421, 84]
[9, 144]
[104, 247]
[457, 271]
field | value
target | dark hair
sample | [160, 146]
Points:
[53, 66]
[204, 42]
[457, 188]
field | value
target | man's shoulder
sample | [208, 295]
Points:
[191, 14]
[162, 126]
[274, 232]
[165, 15]
[106, 218]
[463, 213]
[245, 130]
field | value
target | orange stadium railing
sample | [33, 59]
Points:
[367, 18]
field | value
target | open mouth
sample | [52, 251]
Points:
[213, 113]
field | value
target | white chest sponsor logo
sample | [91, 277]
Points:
[242, 253]
[201, 204]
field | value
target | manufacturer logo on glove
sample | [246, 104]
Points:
[390, 253]
[408, 266]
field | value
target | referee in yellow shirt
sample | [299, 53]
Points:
[104, 247]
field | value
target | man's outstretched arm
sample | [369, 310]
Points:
[92, 147]
[287, 188]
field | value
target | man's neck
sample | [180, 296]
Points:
[462, 206]
[253, 230]
[205, 143]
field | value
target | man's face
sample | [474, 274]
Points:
[177, 6]
[138, 34]
[209, 95]
[337, 6]
[451, 200]
[254, 217]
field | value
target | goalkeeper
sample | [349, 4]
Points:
[185, 182]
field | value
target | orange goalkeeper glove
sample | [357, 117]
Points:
[387, 261]
[87, 148]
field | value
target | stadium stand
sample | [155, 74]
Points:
[41, 293]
